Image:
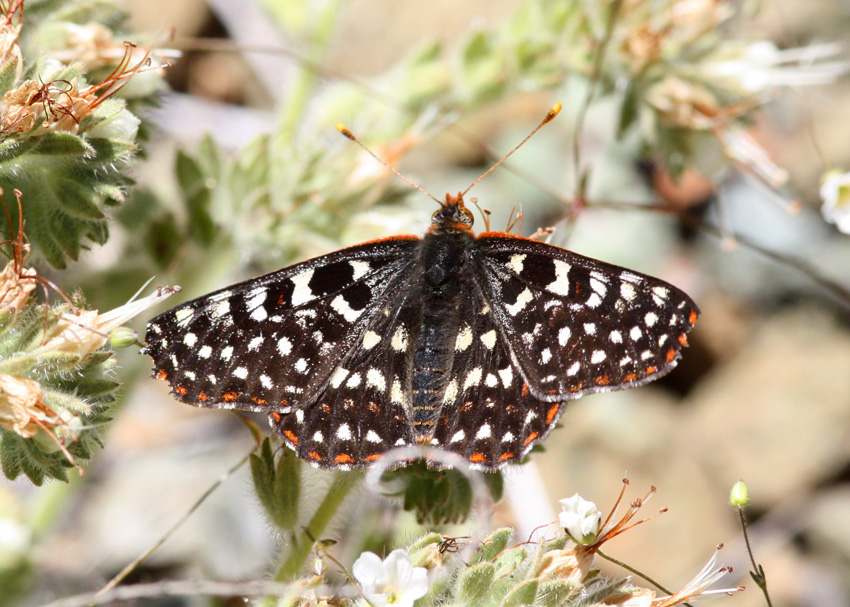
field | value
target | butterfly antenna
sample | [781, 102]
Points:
[347, 132]
[552, 113]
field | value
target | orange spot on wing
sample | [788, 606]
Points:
[552, 412]
[373, 457]
[343, 458]
[650, 370]
[259, 401]
[506, 456]
[374, 408]
[315, 456]
[284, 403]
[203, 396]
[671, 354]
[693, 317]
[229, 397]
[276, 417]
[466, 406]
[324, 407]
[630, 377]
[603, 380]
[180, 390]
[162, 374]
[577, 387]
[683, 339]
[530, 438]
[291, 436]
[477, 458]
[524, 389]
[281, 301]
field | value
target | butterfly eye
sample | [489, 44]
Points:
[469, 215]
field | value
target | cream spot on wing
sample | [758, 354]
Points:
[473, 378]
[226, 353]
[483, 432]
[464, 339]
[353, 380]
[516, 263]
[221, 309]
[564, 336]
[507, 376]
[489, 339]
[370, 340]
[451, 392]
[190, 339]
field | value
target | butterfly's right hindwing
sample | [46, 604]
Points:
[271, 343]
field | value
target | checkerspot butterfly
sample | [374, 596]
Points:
[468, 343]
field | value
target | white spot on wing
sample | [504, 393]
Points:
[635, 333]
[546, 355]
[338, 377]
[597, 357]
[353, 380]
[240, 372]
[483, 432]
[376, 379]
[318, 437]
[189, 339]
[221, 309]
[359, 268]
[590, 328]
[561, 284]
[259, 314]
[457, 436]
[255, 343]
[344, 432]
[346, 311]
[490, 381]
[473, 378]
[226, 353]
[516, 263]
[396, 395]
[628, 291]
[372, 437]
[302, 293]
[616, 337]
[284, 346]
[507, 376]
[399, 341]
[183, 316]
[650, 319]
[451, 392]
[301, 365]
[564, 336]
[266, 381]
[522, 299]
[574, 369]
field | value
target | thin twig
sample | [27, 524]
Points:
[758, 571]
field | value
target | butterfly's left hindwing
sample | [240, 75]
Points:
[575, 325]
[272, 343]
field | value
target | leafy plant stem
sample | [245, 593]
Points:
[303, 542]
[633, 570]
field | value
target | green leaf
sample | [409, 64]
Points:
[63, 144]
[474, 582]
[77, 201]
[287, 489]
[509, 561]
[262, 472]
[524, 594]
[494, 544]
[555, 593]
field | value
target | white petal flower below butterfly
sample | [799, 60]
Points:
[392, 581]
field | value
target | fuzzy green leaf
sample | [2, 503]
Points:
[493, 545]
[262, 472]
[63, 144]
[509, 561]
[555, 593]
[287, 489]
[524, 594]
[474, 582]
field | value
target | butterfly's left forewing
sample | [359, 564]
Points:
[575, 325]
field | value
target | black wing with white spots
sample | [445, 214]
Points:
[575, 325]
[272, 343]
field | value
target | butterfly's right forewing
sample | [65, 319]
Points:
[272, 343]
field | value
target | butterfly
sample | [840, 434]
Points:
[470, 343]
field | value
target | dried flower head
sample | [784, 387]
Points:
[22, 408]
[16, 286]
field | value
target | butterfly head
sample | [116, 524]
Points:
[452, 214]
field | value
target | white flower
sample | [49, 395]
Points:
[581, 519]
[835, 192]
[393, 581]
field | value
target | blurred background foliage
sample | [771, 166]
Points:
[691, 147]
